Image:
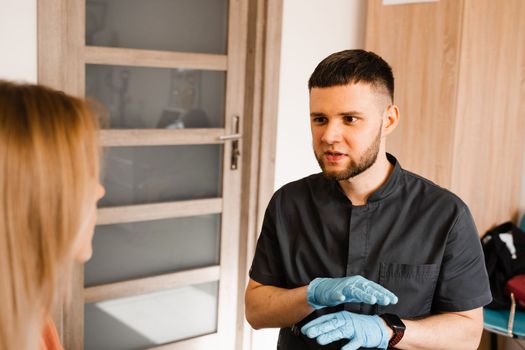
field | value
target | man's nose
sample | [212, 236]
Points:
[332, 133]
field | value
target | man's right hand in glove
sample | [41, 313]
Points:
[323, 292]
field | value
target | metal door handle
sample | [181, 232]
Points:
[235, 137]
[230, 137]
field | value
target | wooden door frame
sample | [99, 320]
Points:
[260, 134]
[61, 65]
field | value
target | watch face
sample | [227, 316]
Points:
[394, 322]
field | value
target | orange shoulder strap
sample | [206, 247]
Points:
[50, 339]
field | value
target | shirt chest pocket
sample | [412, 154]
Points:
[413, 284]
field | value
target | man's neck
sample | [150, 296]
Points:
[360, 187]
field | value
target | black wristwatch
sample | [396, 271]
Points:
[395, 323]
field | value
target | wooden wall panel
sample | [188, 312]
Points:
[422, 43]
[459, 68]
[490, 124]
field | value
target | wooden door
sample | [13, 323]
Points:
[170, 75]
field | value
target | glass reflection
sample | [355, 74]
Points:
[151, 248]
[152, 319]
[181, 25]
[154, 174]
[144, 98]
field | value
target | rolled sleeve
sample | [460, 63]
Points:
[267, 265]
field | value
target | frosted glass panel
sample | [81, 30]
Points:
[143, 249]
[147, 98]
[153, 174]
[152, 319]
[173, 25]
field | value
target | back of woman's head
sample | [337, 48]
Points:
[48, 167]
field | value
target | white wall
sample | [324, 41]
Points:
[18, 45]
[311, 31]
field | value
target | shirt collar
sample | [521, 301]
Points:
[390, 184]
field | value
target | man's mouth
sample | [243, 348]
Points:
[334, 156]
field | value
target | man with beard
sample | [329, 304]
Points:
[365, 254]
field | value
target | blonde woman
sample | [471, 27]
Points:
[49, 187]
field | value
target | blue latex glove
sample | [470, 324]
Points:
[362, 330]
[322, 292]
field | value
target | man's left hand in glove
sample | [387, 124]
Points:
[368, 331]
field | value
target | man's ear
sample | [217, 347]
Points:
[390, 119]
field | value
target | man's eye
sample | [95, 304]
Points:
[349, 119]
[319, 120]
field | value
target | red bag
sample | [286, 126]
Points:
[516, 285]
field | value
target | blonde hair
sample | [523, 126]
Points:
[49, 158]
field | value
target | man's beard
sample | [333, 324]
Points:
[354, 168]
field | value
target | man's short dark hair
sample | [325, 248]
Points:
[351, 67]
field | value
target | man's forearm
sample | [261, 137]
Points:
[459, 330]
[268, 306]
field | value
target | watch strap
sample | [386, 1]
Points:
[397, 326]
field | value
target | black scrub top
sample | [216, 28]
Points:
[413, 237]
